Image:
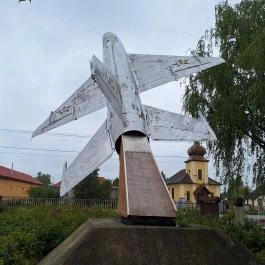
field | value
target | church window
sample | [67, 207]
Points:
[199, 174]
[188, 195]
[172, 193]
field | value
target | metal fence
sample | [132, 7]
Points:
[68, 202]
[185, 206]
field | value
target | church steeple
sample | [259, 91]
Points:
[197, 165]
[196, 152]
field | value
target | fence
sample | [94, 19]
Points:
[181, 205]
[68, 202]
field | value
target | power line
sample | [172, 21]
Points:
[38, 149]
[65, 151]
[39, 155]
[17, 131]
[35, 154]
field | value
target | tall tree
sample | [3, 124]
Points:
[44, 178]
[93, 188]
[116, 182]
[236, 189]
[232, 96]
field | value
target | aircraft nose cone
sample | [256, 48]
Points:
[109, 36]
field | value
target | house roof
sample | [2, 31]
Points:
[181, 177]
[201, 189]
[256, 193]
[57, 185]
[213, 182]
[16, 175]
[101, 179]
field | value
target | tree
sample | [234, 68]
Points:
[236, 189]
[44, 178]
[163, 175]
[93, 188]
[44, 192]
[232, 95]
[116, 182]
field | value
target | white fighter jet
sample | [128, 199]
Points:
[117, 84]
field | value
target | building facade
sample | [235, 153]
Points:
[193, 184]
[16, 184]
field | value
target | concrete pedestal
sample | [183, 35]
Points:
[108, 242]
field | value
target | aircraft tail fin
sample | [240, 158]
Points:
[108, 84]
[97, 150]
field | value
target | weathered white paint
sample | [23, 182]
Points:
[165, 125]
[119, 80]
[155, 70]
[85, 100]
[98, 149]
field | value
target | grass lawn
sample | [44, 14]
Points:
[29, 234]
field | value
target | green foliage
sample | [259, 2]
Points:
[250, 234]
[116, 182]
[231, 96]
[2, 208]
[163, 175]
[44, 178]
[44, 192]
[183, 218]
[236, 188]
[93, 188]
[28, 234]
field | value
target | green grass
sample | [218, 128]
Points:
[250, 234]
[28, 234]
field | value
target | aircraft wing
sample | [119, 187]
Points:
[98, 150]
[169, 126]
[86, 99]
[155, 70]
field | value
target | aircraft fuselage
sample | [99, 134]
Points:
[133, 113]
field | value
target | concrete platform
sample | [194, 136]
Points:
[108, 242]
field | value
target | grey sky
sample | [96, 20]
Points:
[45, 50]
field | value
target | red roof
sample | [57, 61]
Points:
[101, 179]
[57, 185]
[16, 175]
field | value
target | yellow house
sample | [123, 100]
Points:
[193, 184]
[15, 184]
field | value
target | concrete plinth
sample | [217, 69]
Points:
[108, 242]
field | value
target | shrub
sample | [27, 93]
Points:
[182, 218]
[28, 234]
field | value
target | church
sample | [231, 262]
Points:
[192, 184]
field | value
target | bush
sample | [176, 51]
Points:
[28, 234]
[250, 234]
[43, 192]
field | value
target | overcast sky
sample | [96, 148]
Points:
[45, 49]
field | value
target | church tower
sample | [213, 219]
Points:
[193, 184]
[197, 165]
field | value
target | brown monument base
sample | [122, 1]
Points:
[143, 194]
[108, 242]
